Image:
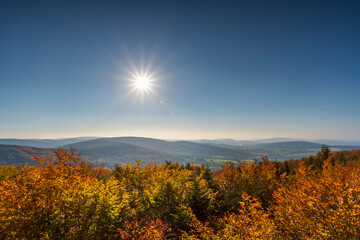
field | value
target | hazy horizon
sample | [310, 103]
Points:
[194, 139]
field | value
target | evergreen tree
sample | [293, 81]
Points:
[199, 201]
[324, 152]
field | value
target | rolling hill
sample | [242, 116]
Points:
[103, 153]
[184, 147]
[122, 150]
[290, 145]
[43, 143]
[108, 152]
[290, 149]
[19, 155]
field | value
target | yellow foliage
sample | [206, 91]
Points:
[68, 199]
[250, 222]
[57, 201]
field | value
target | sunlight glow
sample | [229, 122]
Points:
[142, 80]
[142, 83]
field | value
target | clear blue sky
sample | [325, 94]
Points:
[223, 69]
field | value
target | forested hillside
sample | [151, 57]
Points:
[65, 198]
[19, 155]
[121, 150]
[107, 152]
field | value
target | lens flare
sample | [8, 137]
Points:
[142, 79]
[142, 82]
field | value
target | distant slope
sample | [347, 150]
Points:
[185, 147]
[155, 150]
[290, 149]
[226, 142]
[279, 139]
[19, 155]
[39, 143]
[231, 142]
[337, 142]
[290, 145]
[43, 143]
[64, 141]
[122, 150]
[284, 150]
[107, 152]
[330, 142]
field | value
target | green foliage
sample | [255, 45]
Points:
[201, 199]
[259, 181]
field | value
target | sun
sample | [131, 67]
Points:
[142, 83]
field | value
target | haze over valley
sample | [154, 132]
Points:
[121, 150]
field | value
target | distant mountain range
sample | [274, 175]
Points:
[43, 143]
[275, 140]
[127, 149]
[122, 150]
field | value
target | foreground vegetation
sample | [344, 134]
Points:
[64, 198]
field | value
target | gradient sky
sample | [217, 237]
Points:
[223, 69]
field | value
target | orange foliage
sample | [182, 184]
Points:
[138, 229]
[250, 222]
[56, 201]
[66, 198]
[198, 230]
[320, 205]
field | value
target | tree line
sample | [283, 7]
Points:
[317, 197]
